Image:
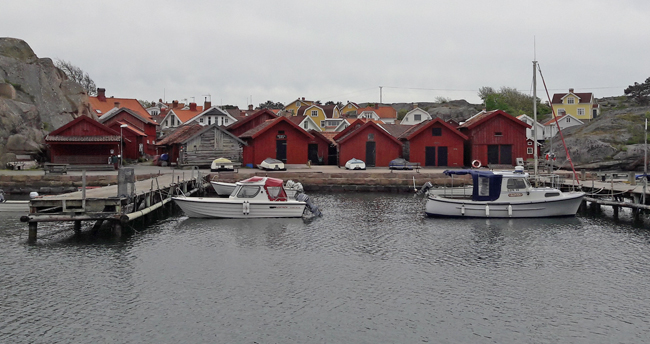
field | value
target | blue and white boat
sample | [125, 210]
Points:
[503, 194]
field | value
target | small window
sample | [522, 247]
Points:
[306, 125]
[314, 113]
[570, 100]
[530, 143]
[417, 117]
[498, 133]
[201, 120]
[371, 137]
[529, 150]
[298, 104]
[581, 112]
[280, 131]
[248, 191]
[322, 124]
[436, 131]
[516, 183]
[552, 194]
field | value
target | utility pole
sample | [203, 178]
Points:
[380, 95]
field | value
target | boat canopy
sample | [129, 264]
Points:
[273, 186]
[487, 185]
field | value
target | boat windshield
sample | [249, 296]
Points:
[276, 193]
[483, 186]
[248, 191]
[516, 183]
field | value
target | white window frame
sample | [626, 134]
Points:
[314, 113]
[581, 111]
[570, 100]
[415, 117]
[529, 150]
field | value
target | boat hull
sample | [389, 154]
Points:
[203, 207]
[566, 205]
[223, 189]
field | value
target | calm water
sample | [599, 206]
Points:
[371, 270]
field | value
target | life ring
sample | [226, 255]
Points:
[476, 164]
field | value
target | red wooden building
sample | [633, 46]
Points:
[320, 148]
[495, 138]
[83, 141]
[139, 131]
[247, 123]
[276, 138]
[367, 141]
[434, 143]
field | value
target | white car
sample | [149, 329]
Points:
[355, 164]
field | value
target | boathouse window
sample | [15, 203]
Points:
[371, 137]
[498, 133]
[248, 191]
[529, 150]
[436, 131]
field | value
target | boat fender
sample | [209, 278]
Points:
[487, 210]
[510, 210]
[476, 164]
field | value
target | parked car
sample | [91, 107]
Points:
[402, 164]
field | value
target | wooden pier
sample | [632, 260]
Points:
[118, 204]
[617, 191]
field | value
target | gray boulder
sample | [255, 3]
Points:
[35, 99]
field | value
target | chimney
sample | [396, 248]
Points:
[415, 105]
[250, 107]
[160, 100]
[570, 90]
[207, 104]
[303, 99]
[192, 106]
[174, 104]
[376, 105]
[101, 94]
[117, 105]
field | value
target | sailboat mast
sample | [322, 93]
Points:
[535, 126]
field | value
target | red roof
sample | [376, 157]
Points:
[420, 127]
[101, 106]
[186, 115]
[583, 97]
[383, 111]
[180, 134]
[65, 132]
[355, 130]
[243, 120]
[485, 115]
[257, 131]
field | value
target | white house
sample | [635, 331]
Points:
[564, 121]
[213, 115]
[541, 129]
[415, 116]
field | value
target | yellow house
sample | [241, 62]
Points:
[296, 104]
[327, 117]
[582, 106]
[350, 107]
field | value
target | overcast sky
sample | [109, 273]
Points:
[247, 51]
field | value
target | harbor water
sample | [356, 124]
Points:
[372, 269]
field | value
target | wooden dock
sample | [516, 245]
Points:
[118, 204]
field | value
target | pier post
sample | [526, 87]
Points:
[117, 229]
[615, 211]
[33, 226]
[77, 227]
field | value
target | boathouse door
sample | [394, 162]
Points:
[312, 154]
[370, 153]
[430, 156]
[281, 150]
[442, 156]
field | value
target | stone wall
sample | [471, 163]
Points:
[56, 184]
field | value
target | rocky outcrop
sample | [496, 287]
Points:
[613, 141]
[35, 98]
[458, 110]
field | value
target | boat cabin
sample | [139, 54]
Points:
[260, 188]
[489, 185]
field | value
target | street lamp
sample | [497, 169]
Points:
[121, 143]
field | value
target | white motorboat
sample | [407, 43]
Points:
[222, 164]
[224, 189]
[271, 164]
[255, 197]
[502, 195]
[355, 164]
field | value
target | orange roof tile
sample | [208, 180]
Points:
[382, 111]
[101, 107]
[186, 115]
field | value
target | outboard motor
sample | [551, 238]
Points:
[424, 188]
[312, 207]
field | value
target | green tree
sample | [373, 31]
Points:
[401, 114]
[77, 75]
[639, 93]
[269, 104]
[512, 101]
